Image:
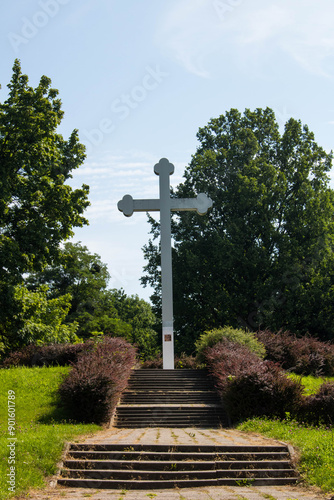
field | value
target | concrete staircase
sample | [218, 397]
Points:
[170, 398]
[140, 466]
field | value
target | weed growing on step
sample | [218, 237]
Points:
[210, 497]
[181, 496]
[141, 435]
[175, 437]
[207, 436]
[245, 482]
[123, 492]
[268, 497]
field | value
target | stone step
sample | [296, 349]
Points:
[166, 416]
[166, 421]
[155, 465]
[156, 392]
[154, 484]
[167, 425]
[176, 411]
[148, 408]
[191, 448]
[171, 376]
[169, 387]
[158, 372]
[162, 418]
[168, 400]
[176, 456]
[180, 381]
[139, 474]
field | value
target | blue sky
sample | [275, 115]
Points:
[139, 78]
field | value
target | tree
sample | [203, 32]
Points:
[137, 313]
[81, 275]
[38, 210]
[263, 255]
[40, 320]
[95, 309]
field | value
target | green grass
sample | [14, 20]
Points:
[311, 384]
[41, 428]
[315, 444]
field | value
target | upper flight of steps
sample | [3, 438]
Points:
[170, 398]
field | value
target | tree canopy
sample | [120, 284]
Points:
[38, 210]
[263, 255]
[78, 273]
[93, 308]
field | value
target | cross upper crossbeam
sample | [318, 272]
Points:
[200, 204]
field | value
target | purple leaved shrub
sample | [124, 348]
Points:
[44, 355]
[318, 409]
[183, 361]
[264, 390]
[302, 355]
[250, 386]
[92, 388]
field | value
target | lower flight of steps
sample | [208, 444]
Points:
[170, 398]
[136, 466]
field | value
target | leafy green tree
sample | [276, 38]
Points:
[40, 320]
[137, 313]
[263, 255]
[82, 275]
[38, 210]
[96, 310]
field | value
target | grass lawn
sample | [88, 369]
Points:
[315, 444]
[311, 384]
[39, 431]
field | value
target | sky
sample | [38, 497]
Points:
[139, 78]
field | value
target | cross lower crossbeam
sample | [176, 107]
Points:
[165, 204]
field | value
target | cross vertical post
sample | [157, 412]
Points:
[164, 169]
[165, 204]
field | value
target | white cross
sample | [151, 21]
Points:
[165, 204]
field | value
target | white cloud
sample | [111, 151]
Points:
[263, 24]
[186, 34]
[112, 176]
[193, 32]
